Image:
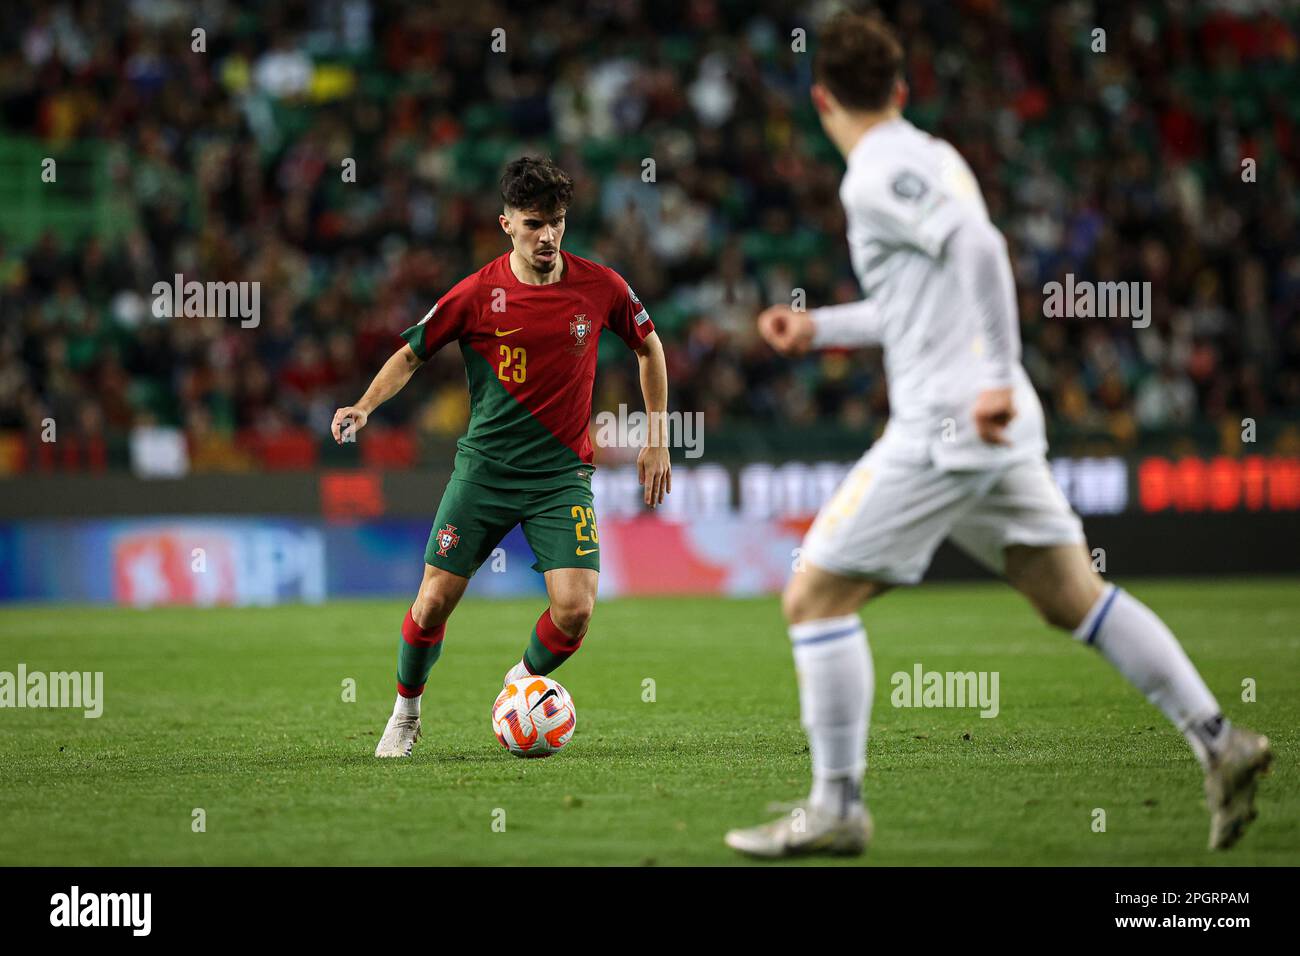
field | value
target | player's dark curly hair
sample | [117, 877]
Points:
[531, 182]
[858, 59]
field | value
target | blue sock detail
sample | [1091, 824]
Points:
[1096, 625]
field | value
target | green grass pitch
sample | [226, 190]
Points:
[241, 713]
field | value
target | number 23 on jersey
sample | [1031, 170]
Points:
[513, 366]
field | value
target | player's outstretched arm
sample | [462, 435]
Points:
[979, 254]
[792, 332]
[654, 470]
[397, 371]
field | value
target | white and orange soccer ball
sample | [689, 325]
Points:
[533, 717]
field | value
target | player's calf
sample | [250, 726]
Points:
[1069, 594]
[418, 649]
[551, 644]
[558, 633]
[1058, 581]
[417, 652]
[1141, 647]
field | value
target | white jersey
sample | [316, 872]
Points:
[905, 195]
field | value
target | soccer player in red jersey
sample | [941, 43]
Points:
[527, 325]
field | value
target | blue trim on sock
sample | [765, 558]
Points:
[1096, 625]
[823, 638]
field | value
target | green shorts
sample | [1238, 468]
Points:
[559, 523]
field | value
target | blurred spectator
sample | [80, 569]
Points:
[344, 154]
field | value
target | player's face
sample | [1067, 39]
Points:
[536, 236]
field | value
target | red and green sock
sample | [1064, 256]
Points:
[549, 647]
[417, 652]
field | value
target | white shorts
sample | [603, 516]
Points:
[890, 514]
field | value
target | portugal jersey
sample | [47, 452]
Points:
[530, 358]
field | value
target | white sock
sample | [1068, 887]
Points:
[835, 690]
[1141, 647]
[408, 706]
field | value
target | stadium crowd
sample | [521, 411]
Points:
[344, 154]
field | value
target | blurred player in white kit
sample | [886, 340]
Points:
[963, 457]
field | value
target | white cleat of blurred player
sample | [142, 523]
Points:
[806, 832]
[1230, 785]
[399, 737]
[518, 672]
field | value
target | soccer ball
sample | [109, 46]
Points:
[533, 717]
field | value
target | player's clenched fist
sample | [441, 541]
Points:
[787, 331]
[993, 412]
[347, 422]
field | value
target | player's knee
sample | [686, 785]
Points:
[797, 604]
[572, 613]
[802, 602]
[813, 597]
[431, 607]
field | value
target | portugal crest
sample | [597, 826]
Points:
[580, 329]
[447, 538]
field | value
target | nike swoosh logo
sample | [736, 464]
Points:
[581, 553]
[511, 332]
[549, 693]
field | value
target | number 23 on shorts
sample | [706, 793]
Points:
[586, 523]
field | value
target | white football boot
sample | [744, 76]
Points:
[399, 737]
[803, 832]
[1230, 785]
[518, 672]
